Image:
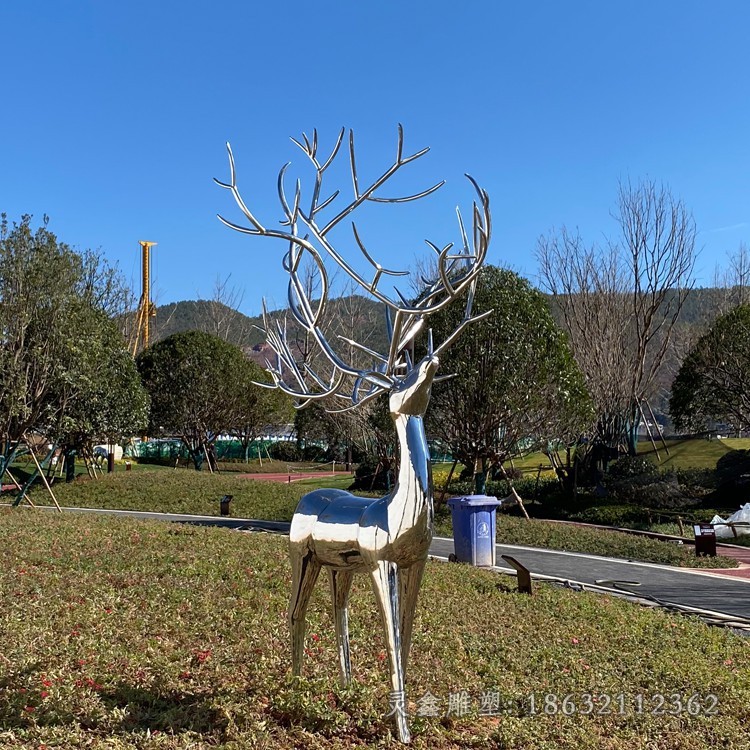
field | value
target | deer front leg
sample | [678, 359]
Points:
[341, 583]
[409, 582]
[305, 570]
[385, 585]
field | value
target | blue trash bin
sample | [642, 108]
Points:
[474, 529]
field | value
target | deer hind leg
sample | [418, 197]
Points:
[409, 581]
[385, 585]
[305, 570]
[341, 583]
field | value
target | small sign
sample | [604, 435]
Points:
[704, 529]
[705, 539]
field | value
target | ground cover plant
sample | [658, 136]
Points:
[199, 493]
[125, 634]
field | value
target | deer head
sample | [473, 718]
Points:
[306, 234]
[412, 395]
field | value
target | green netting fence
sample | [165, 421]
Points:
[231, 450]
[226, 450]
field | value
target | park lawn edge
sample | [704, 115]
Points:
[123, 633]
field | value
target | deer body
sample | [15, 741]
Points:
[389, 538]
[352, 533]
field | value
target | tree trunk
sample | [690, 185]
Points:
[631, 432]
[70, 465]
[213, 460]
[480, 483]
[480, 477]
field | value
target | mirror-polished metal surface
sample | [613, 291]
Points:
[388, 538]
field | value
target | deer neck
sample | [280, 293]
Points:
[412, 495]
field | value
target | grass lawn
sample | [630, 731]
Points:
[181, 491]
[697, 453]
[122, 634]
[199, 493]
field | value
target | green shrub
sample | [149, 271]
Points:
[733, 465]
[611, 515]
[285, 450]
[733, 478]
[698, 480]
[633, 480]
[373, 474]
[494, 475]
[312, 452]
[157, 460]
[629, 467]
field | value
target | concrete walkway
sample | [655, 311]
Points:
[709, 590]
[295, 476]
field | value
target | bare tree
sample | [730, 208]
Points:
[732, 280]
[223, 319]
[739, 268]
[620, 302]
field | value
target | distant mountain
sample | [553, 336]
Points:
[363, 320]
[205, 315]
[354, 317]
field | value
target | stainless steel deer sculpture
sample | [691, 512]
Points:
[389, 538]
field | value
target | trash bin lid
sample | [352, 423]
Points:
[474, 501]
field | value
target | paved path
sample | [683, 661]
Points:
[704, 590]
[714, 591]
[723, 550]
[295, 476]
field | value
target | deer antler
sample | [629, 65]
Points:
[302, 230]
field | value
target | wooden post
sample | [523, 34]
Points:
[44, 479]
[19, 488]
[661, 434]
[448, 481]
[648, 430]
[523, 575]
[514, 494]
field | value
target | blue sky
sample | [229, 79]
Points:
[115, 117]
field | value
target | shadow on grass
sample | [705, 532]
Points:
[128, 709]
[166, 711]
